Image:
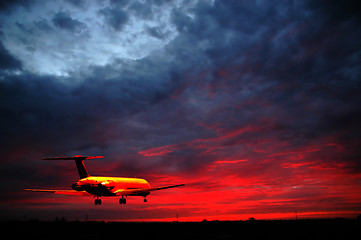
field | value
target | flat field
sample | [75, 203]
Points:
[279, 229]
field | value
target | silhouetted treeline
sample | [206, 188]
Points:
[292, 229]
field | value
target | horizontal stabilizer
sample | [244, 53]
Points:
[76, 157]
[83, 173]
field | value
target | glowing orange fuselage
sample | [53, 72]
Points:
[108, 186]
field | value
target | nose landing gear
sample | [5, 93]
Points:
[98, 201]
[122, 200]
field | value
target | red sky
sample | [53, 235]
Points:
[255, 106]
[266, 179]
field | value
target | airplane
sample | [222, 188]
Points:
[104, 186]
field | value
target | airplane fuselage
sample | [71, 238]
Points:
[107, 186]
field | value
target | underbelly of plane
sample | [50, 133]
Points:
[99, 190]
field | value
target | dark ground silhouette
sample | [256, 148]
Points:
[281, 229]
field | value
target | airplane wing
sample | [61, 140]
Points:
[64, 192]
[142, 191]
[76, 157]
[165, 187]
[132, 192]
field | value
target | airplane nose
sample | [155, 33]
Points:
[75, 186]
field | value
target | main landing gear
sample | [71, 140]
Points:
[98, 201]
[122, 200]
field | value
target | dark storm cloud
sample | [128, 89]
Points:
[335, 11]
[7, 6]
[142, 10]
[7, 61]
[156, 32]
[47, 109]
[115, 17]
[65, 21]
[260, 81]
[45, 114]
[268, 54]
[77, 3]
[269, 65]
[43, 26]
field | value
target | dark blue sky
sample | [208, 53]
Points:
[254, 104]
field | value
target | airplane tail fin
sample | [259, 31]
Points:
[83, 173]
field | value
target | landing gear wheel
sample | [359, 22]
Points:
[122, 201]
[145, 200]
[98, 202]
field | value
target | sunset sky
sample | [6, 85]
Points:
[254, 105]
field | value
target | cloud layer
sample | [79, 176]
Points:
[255, 105]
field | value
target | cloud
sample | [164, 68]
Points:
[116, 18]
[334, 11]
[156, 32]
[7, 61]
[8, 6]
[242, 100]
[88, 36]
[63, 21]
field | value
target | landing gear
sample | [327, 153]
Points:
[98, 201]
[145, 199]
[122, 200]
